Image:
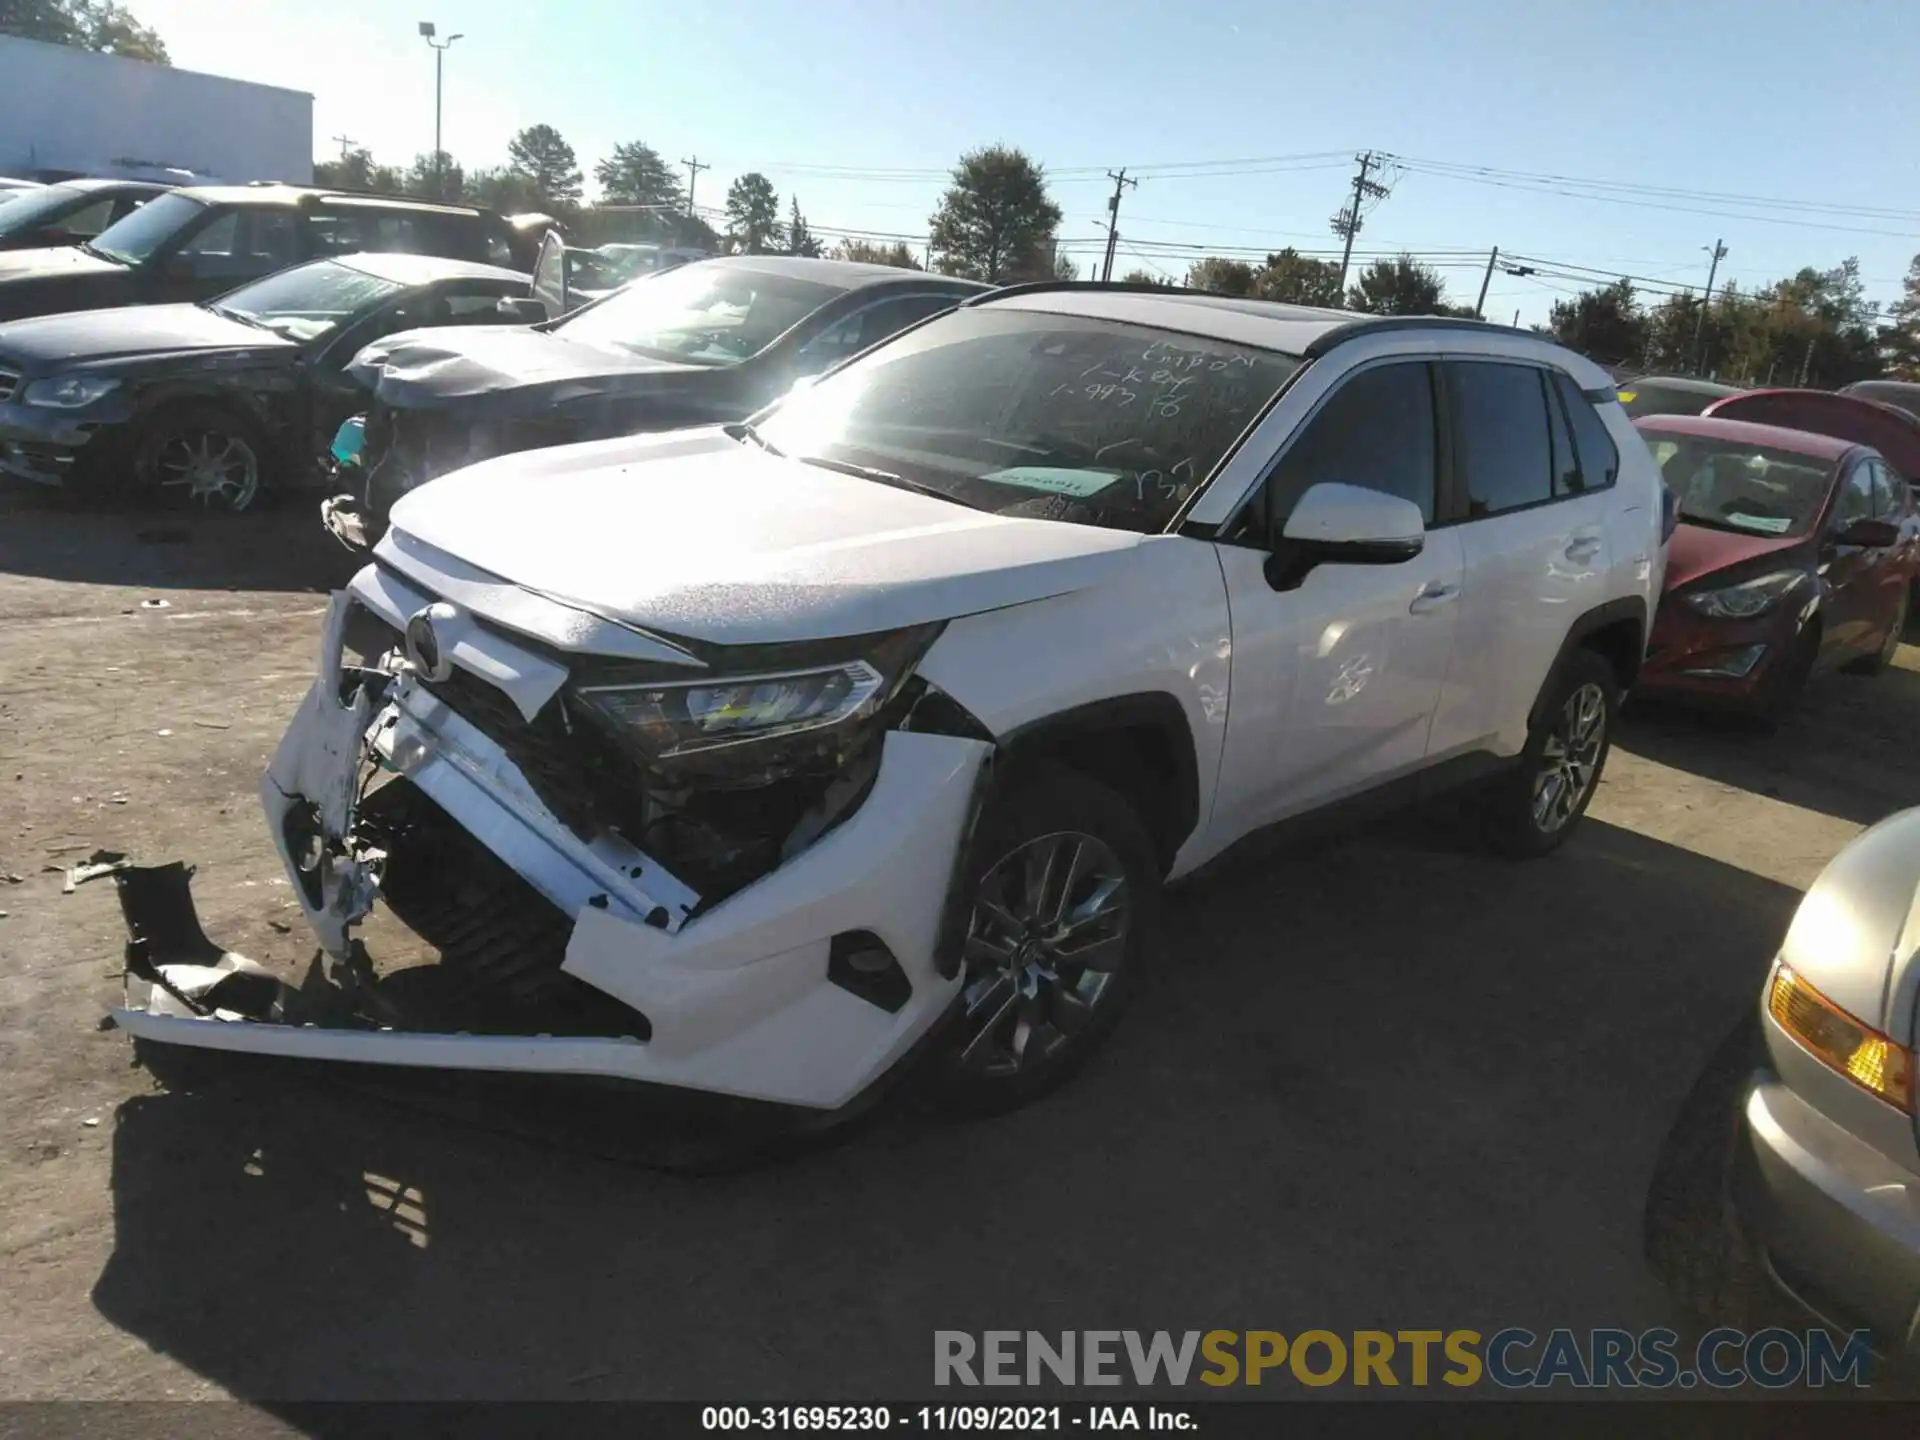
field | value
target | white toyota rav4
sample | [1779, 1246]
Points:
[755, 759]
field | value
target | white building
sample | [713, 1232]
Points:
[69, 110]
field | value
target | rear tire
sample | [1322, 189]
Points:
[1062, 889]
[1533, 809]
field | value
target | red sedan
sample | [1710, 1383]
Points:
[1794, 552]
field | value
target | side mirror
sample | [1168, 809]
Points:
[1334, 524]
[520, 310]
[1870, 534]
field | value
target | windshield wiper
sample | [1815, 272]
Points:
[89, 248]
[1713, 522]
[744, 430]
[883, 477]
[226, 314]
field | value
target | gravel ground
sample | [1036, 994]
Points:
[1389, 1083]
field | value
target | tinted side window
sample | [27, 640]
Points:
[893, 315]
[1567, 479]
[214, 240]
[1599, 456]
[335, 233]
[1376, 431]
[1500, 428]
[91, 220]
[1889, 493]
[1855, 501]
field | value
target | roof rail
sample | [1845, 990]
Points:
[1375, 324]
[1110, 287]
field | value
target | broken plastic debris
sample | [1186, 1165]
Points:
[155, 604]
[163, 732]
[12, 879]
[101, 862]
[91, 1121]
[215, 724]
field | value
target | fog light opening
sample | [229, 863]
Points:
[860, 963]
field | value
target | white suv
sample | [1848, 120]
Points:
[751, 759]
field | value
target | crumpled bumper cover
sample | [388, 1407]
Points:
[738, 997]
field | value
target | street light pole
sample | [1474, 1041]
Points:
[440, 48]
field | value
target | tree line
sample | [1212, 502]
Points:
[1814, 327]
[98, 25]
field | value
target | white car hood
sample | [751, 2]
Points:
[704, 537]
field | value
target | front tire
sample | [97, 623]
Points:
[1882, 658]
[1062, 889]
[201, 457]
[1537, 806]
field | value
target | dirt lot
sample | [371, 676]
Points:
[1393, 1083]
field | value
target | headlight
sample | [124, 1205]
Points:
[68, 392]
[1833, 1037]
[1747, 599]
[789, 711]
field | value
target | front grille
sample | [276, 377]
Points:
[501, 943]
[586, 783]
[9, 384]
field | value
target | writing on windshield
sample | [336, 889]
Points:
[1053, 416]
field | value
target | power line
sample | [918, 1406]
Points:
[1633, 188]
[1612, 199]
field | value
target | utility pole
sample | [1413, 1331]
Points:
[1480, 305]
[1700, 321]
[1346, 223]
[440, 48]
[346, 143]
[694, 167]
[1120, 182]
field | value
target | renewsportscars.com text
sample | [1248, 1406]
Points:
[1514, 1359]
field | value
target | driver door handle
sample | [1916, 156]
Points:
[1432, 596]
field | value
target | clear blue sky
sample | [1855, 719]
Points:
[1809, 103]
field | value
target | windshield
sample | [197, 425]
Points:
[702, 314]
[1054, 417]
[308, 301]
[32, 208]
[135, 238]
[1750, 488]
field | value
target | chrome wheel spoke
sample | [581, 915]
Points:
[1049, 931]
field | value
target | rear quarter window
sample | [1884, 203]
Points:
[1598, 456]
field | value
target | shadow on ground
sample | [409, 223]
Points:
[1392, 1083]
[279, 547]
[1848, 751]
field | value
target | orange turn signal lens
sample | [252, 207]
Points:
[1866, 1057]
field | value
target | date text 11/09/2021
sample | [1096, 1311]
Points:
[934, 1419]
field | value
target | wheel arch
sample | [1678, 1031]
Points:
[1616, 631]
[1140, 746]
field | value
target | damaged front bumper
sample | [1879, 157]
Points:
[804, 987]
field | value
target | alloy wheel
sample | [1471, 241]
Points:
[1048, 933]
[213, 467]
[1570, 760]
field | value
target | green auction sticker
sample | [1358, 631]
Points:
[1056, 479]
